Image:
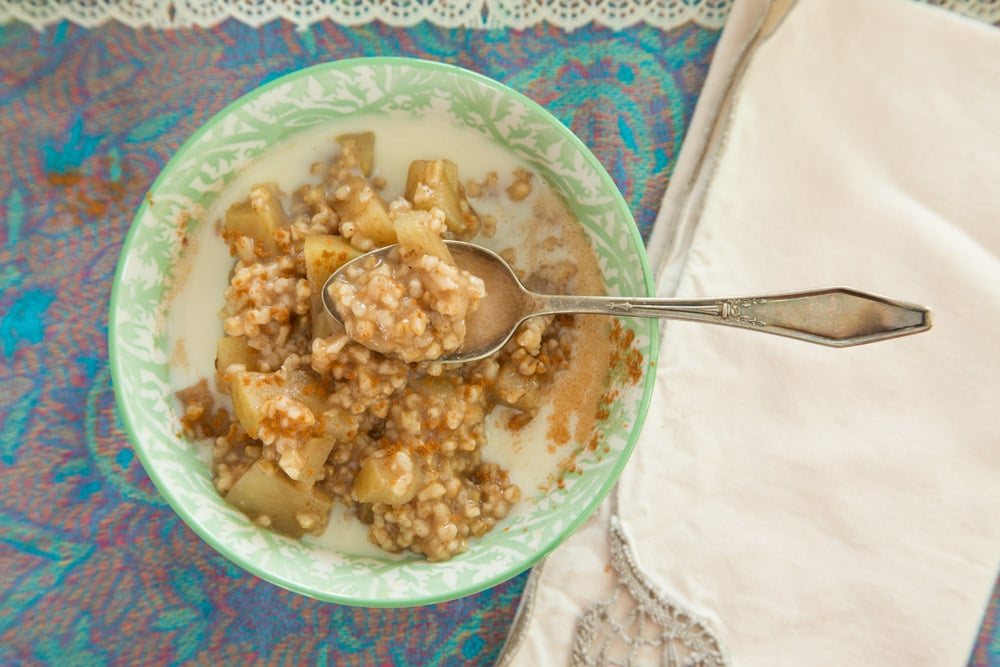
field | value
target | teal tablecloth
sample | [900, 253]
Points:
[95, 568]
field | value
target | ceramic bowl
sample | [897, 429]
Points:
[170, 243]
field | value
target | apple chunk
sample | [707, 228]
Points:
[251, 392]
[259, 217]
[323, 254]
[271, 499]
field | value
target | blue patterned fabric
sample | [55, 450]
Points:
[95, 569]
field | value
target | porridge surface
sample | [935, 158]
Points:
[410, 448]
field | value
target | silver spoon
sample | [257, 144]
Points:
[836, 316]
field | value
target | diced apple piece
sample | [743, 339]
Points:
[359, 147]
[355, 200]
[389, 478]
[252, 391]
[233, 351]
[413, 229]
[515, 390]
[270, 498]
[313, 453]
[434, 183]
[259, 217]
[323, 253]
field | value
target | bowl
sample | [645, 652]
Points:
[158, 342]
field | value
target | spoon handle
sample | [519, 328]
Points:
[837, 316]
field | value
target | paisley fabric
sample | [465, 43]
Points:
[95, 569]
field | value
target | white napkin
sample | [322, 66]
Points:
[809, 505]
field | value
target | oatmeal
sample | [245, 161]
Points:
[411, 304]
[313, 419]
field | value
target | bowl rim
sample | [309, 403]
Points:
[118, 364]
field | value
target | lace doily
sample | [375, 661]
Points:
[566, 14]
[641, 625]
[517, 14]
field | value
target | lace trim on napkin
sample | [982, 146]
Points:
[566, 14]
[984, 10]
[637, 625]
[641, 625]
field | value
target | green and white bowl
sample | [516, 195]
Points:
[158, 254]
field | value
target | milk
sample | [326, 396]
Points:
[194, 325]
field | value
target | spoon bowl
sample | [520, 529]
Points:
[835, 316]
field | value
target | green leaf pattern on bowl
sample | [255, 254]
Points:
[203, 167]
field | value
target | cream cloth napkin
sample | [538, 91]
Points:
[808, 505]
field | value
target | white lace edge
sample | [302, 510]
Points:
[637, 624]
[987, 11]
[482, 14]
[640, 623]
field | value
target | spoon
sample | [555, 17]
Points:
[835, 316]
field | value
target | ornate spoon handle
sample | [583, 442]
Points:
[836, 316]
